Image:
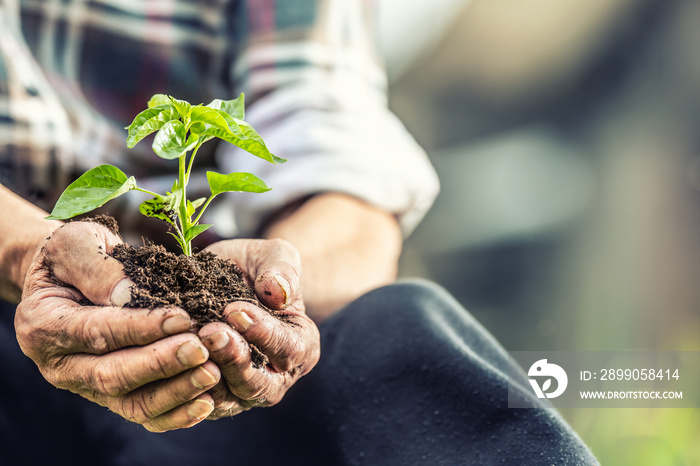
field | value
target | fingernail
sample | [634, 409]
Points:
[176, 324]
[121, 293]
[190, 354]
[198, 409]
[240, 320]
[216, 341]
[286, 288]
[202, 378]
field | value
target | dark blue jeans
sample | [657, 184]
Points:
[406, 376]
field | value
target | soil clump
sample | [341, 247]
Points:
[202, 284]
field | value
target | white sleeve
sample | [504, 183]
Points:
[327, 114]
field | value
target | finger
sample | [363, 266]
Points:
[293, 344]
[102, 329]
[276, 273]
[225, 403]
[232, 409]
[153, 400]
[71, 328]
[183, 416]
[274, 267]
[78, 254]
[231, 352]
[122, 371]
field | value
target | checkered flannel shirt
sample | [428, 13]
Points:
[73, 73]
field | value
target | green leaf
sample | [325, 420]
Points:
[234, 107]
[159, 99]
[183, 107]
[220, 124]
[169, 142]
[192, 206]
[172, 131]
[194, 231]
[163, 207]
[209, 116]
[192, 139]
[148, 121]
[197, 127]
[239, 181]
[156, 208]
[172, 200]
[92, 190]
[198, 202]
[179, 241]
[243, 135]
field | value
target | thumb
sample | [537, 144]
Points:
[276, 270]
[78, 255]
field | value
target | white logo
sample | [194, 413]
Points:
[543, 369]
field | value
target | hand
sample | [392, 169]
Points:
[291, 345]
[141, 364]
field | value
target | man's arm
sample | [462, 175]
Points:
[24, 232]
[347, 248]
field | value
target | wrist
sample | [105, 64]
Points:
[32, 246]
[22, 238]
[347, 248]
[19, 255]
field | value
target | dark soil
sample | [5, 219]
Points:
[202, 284]
[106, 221]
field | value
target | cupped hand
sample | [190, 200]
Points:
[291, 344]
[141, 364]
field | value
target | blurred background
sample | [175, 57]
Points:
[567, 138]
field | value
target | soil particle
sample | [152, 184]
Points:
[258, 357]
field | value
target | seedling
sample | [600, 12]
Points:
[181, 130]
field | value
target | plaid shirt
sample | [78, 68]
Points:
[73, 73]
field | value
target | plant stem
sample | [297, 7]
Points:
[183, 217]
[147, 192]
[189, 167]
[184, 179]
[201, 211]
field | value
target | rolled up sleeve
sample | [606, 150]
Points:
[319, 100]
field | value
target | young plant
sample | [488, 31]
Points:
[181, 130]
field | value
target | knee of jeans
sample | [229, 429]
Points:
[410, 299]
[408, 307]
[409, 316]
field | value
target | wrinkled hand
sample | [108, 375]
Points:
[140, 364]
[291, 345]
